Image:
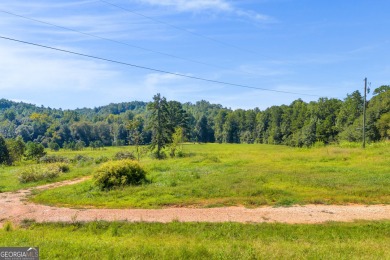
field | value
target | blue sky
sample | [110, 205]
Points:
[323, 48]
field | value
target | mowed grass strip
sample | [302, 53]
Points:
[102, 240]
[250, 175]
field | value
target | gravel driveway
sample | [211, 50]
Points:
[15, 207]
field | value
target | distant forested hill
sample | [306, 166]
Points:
[297, 124]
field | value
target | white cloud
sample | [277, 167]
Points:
[43, 5]
[159, 78]
[30, 70]
[254, 16]
[313, 59]
[38, 24]
[198, 5]
[172, 86]
[209, 5]
[260, 71]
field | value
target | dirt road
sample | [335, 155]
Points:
[15, 207]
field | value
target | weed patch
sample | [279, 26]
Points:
[36, 172]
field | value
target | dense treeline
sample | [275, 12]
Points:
[297, 124]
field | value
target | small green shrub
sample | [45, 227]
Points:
[213, 159]
[119, 173]
[53, 159]
[123, 155]
[346, 144]
[319, 144]
[160, 156]
[285, 202]
[182, 154]
[101, 159]
[8, 226]
[27, 223]
[61, 167]
[79, 158]
[37, 172]
[54, 146]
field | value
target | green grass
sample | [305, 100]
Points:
[102, 240]
[9, 175]
[249, 175]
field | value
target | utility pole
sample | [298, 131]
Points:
[364, 113]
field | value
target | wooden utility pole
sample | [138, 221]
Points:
[364, 113]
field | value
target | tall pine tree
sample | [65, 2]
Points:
[159, 123]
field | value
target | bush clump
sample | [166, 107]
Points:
[124, 155]
[101, 159]
[8, 226]
[81, 159]
[118, 174]
[61, 167]
[37, 172]
[160, 156]
[53, 159]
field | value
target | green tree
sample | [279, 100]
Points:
[9, 114]
[248, 129]
[219, 122]
[4, 153]
[383, 125]
[83, 131]
[7, 129]
[25, 131]
[176, 115]
[298, 115]
[308, 134]
[34, 151]
[352, 133]
[381, 89]
[275, 122]
[70, 116]
[135, 134]
[231, 133]
[16, 148]
[202, 130]
[377, 106]
[54, 146]
[350, 110]
[101, 132]
[80, 145]
[40, 124]
[261, 125]
[177, 140]
[325, 113]
[159, 124]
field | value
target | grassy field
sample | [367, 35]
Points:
[101, 240]
[218, 175]
[9, 175]
[250, 175]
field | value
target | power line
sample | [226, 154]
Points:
[155, 70]
[111, 40]
[177, 27]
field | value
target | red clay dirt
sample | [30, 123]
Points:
[15, 207]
